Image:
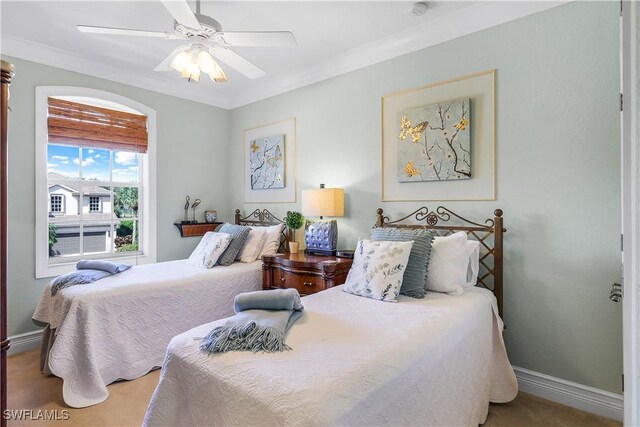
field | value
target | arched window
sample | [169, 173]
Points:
[95, 179]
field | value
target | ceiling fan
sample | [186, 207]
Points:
[206, 41]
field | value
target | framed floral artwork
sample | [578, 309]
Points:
[269, 163]
[266, 162]
[438, 141]
[434, 142]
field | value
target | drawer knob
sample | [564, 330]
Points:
[307, 283]
[282, 279]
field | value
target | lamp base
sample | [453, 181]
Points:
[319, 252]
[321, 237]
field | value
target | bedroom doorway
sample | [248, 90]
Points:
[630, 158]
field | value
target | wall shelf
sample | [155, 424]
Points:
[193, 229]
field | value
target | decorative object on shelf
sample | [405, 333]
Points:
[186, 210]
[266, 162]
[195, 204]
[210, 216]
[427, 147]
[321, 237]
[295, 221]
[269, 163]
[434, 142]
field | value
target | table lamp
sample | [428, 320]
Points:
[321, 237]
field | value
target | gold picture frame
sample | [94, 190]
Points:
[480, 88]
[286, 127]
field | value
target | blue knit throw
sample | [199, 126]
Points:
[261, 323]
[87, 271]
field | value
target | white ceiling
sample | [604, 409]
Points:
[333, 38]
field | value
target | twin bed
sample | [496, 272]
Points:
[119, 327]
[356, 361]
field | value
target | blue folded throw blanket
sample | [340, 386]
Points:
[87, 271]
[261, 323]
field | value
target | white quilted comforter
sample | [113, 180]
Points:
[119, 327]
[355, 361]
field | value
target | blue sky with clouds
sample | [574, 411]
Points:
[65, 161]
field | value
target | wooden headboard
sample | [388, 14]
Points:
[264, 218]
[444, 221]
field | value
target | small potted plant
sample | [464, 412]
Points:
[294, 220]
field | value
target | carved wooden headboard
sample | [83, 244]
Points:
[444, 221]
[264, 218]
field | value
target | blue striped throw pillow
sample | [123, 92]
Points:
[239, 234]
[415, 275]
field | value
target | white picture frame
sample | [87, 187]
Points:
[480, 89]
[287, 194]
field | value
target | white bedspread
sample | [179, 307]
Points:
[119, 327]
[355, 361]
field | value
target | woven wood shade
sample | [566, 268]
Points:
[83, 125]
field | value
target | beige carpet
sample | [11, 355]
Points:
[29, 389]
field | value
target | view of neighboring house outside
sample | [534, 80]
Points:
[64, 213]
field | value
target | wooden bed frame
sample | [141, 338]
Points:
[264, 218]
[489, 234]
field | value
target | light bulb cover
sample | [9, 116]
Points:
[206, 62]
[191, 72]
[218, 75]
[180, 61]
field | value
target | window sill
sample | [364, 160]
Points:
[53, 269]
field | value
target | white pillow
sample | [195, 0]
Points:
[272, 242]
[211, 246]
[252, 245]
[377, 269]
[448, 265]
[472, 253]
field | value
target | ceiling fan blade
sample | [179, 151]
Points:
[182, 13]
[164, 65]
[236, 61]
[126, 32]
[257, 38]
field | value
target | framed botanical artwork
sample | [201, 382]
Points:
[269, 163]
[438, 141]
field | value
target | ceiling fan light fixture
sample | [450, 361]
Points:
[206, 62]
[191, 72]
[181, 61]
[218, 74]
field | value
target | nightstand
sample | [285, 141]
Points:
[306, 273]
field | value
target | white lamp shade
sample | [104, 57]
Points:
[323, 202]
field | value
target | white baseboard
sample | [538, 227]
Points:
[24, 342]
[585, 398]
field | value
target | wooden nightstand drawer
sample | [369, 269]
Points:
[304, 283]
[306, 273]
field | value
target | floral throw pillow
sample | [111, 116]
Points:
[210, 248]
[377, 269]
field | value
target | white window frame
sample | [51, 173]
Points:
[99, 208]
[44, 266]
[62, 210]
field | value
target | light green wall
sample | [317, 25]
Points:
[558, 172]
[192, 145]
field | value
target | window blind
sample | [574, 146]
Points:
[83, 125]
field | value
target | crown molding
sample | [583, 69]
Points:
[478, 17]
[60, 58]
[472, 19]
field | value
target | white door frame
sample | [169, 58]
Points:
[630, 212]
